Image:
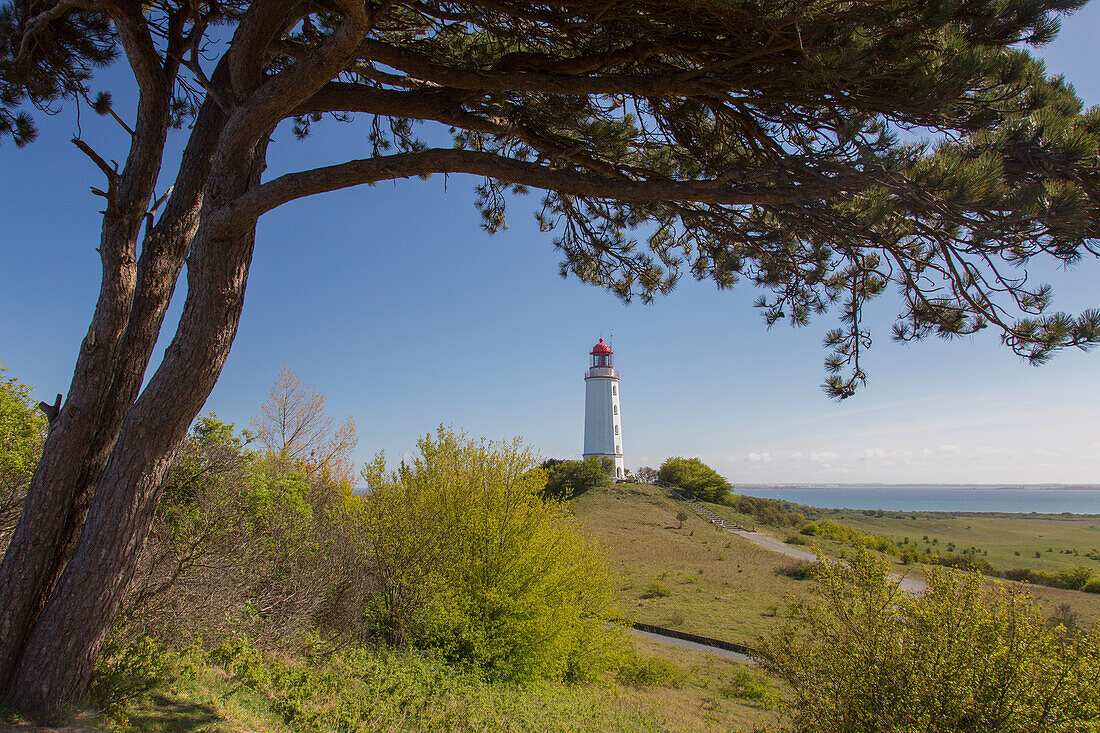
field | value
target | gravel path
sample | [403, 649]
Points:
[911, 585]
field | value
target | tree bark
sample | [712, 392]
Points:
[109, 372]
[80, 438]
[59, 657]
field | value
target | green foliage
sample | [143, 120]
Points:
[566, 479]
[694, 477]
[766, 511]
[22, 432]
[238, 531]
[1074, 578]
[58, 66]
[748, 684]
[22, 429]
[638, 671]
[354, 689]
[1092, 586]
[474, 562]
[656, 589]
[830, 530]
[865, 656]
[128, 667]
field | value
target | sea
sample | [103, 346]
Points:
[938, 497]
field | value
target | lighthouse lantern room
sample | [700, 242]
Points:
[602, 426]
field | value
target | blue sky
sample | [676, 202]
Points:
[393, 302]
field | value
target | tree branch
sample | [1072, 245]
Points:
[422, 67]
[242, 212]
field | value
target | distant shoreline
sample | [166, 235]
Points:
[1081, 499]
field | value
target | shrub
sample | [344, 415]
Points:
[830, 530]
[656, 589]
[766, 511]
[795, 539]
[865, 656]
[747, 684]
[566, 479]
[1092, 586]
[798, 570]
[639, 671]
[962, 562]
[1074, 578]
[22, 432]
[473, 562]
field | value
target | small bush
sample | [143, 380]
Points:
[1092, 586]
[766, 511]
[656, 589]
[797, 570]
[747, 684]
[795, 539]
[962, 562]
[127, 668]
[638, 671]
[1074, 578]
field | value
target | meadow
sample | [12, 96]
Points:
[694, 577]
[1042, 542]
[1048, 543]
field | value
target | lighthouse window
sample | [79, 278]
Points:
[614, 389]
[616, 430]
[616, 409]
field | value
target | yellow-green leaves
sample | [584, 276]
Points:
[867, 657]
[474, 562]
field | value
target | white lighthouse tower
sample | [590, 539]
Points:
[602, 427]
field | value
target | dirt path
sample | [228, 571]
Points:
[911, 585]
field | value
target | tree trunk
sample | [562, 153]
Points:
[77, 446]
[108, 375]
[59, 657]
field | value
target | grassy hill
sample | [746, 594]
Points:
[716, 582]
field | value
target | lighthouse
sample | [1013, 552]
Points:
[602, 427]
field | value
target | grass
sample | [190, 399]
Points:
[1061, 541]
[716, 695]
[681, 690]
[718, 584]
[1006, 541]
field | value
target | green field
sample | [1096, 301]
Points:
[1005, 541]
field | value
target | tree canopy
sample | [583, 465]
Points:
[694, 477]
[825, 152]
[565, 479]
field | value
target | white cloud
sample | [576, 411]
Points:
[763, 457]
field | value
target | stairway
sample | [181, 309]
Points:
[703, 511]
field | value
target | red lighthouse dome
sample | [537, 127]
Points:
[600, 348]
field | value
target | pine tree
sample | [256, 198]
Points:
[768, 141]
